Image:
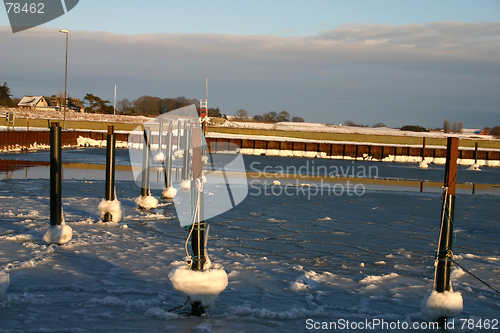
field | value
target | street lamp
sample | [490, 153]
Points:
[65, 75]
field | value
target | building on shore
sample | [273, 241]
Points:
[50, 103]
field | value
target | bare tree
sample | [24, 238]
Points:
[271, 117]
[241, 113]
[283, 116]
[349, 123]
[379, 125]
[446, 126]
[298, 119]
[125, 106]
[460, 127]
[258, 117]
[454, 126]
[495, 131]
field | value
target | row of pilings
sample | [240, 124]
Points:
[25, 139]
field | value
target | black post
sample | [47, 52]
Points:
[475, 154]
[423, 150]
[442, 280]
[145, 163]
[55, 175]
[110, 169]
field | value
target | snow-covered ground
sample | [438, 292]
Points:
[71, 115]
[292, 260]
[281, 126]
[318, 127]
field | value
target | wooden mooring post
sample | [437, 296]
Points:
[445, 254]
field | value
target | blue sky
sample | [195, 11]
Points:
[397, 62]
[277, 17]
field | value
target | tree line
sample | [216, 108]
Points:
[145, 105]
[270, 117]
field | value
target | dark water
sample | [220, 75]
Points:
[291, 165]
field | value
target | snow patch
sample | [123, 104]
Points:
[201, 286]
[113, 207]
[447, 304]
[160, 157]
[58, 234]
[169, 193]
[147, 202]
[378, 279]
[474, 167]
[185, 184]
[423, 165]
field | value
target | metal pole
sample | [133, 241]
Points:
[55, 175]
[178, 135]
[110, 169]
[145, 164]
[65, 75]
[168, 158]
[442, 280]
[160, 136]
[185, 167]
[198, 234]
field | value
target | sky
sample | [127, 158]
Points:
[396, 62]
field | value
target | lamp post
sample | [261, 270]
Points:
[65, 75]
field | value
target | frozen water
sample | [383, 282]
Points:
[288, 258]
[4, 283]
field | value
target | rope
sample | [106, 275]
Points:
[194, 219]
[179, 306]
[486, 284]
